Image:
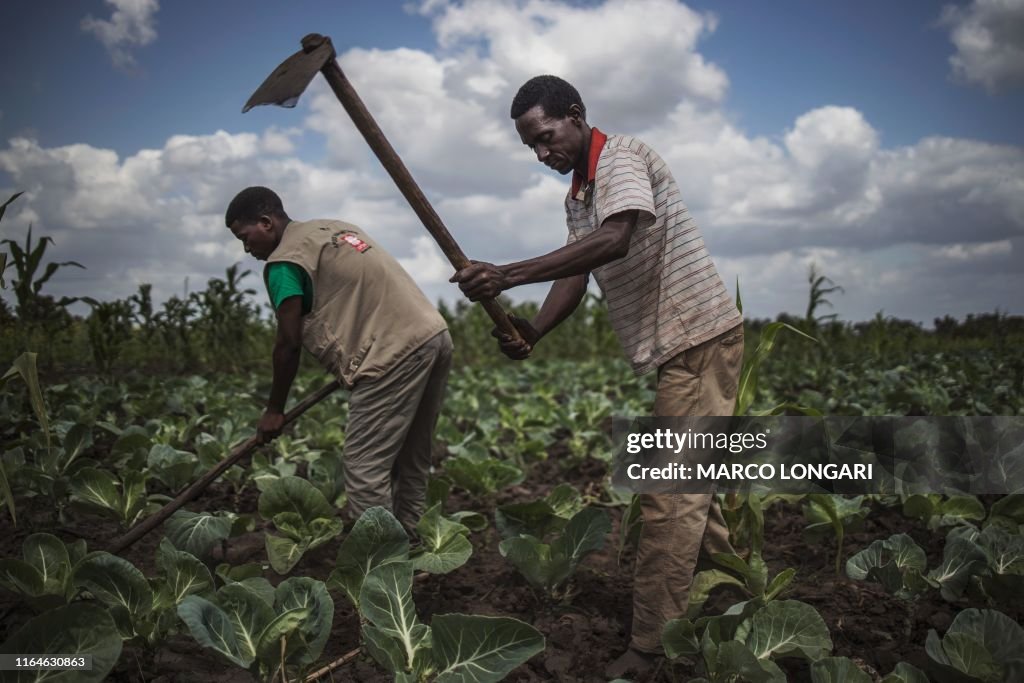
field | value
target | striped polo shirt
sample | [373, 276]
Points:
[665, 295]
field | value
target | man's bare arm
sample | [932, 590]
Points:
[565, 296]
[562, 299]
[287, 354]
[606, 244]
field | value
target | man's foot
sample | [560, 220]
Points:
[633, 662]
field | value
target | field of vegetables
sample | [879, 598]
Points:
[524, 556]
[521, 568]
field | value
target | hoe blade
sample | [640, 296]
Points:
[288, 81]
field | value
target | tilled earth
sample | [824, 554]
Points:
[584, 634]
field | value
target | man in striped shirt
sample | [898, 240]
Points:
[669, 308]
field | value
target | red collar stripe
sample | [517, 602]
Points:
[597, 140]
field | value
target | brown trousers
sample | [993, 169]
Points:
[390, 432]
[679, 528]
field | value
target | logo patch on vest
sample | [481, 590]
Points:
[350, 239]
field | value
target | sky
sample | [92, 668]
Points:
[881, 142]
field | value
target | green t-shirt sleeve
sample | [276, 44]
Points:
[285, 280]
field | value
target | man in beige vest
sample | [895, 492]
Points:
[337, 293]
[628, 225]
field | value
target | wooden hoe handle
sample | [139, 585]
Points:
[392, 163]
[241, 450]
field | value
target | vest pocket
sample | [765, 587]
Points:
[357, 358]
[319, 341]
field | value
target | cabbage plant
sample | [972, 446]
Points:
[1003, 575]
[982, 645]
[271, 632]
[454, 648]
[481, 475]
[44, 578]
[53, 573]
[845, 670]
[539, 517]
[547, 566]
[937, 510]
[81, 628]
[991, 560]
[303, 517]
[445, 543]
[122, 499]
[375, 571]
[377, 538]
[742, 643]
[897, 563]
[143, 609]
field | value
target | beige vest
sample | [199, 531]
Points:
[368, 313]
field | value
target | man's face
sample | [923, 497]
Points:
[257, 237]
[557, 142]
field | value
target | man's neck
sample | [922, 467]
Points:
[582, 165]
[282, 225]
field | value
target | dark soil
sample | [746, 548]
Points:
[583, 635]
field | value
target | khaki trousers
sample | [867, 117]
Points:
[390, 432]
[679, 528]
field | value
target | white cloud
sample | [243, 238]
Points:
[912, 282]
[989, 40]
[616, 53]
[158, 215]
[427, 264]
[832, 136]
[132, 24]
[216, 250]
[967, 252]
[278, 141]
[919, 230]
[92, 184]
[831, 183]
[453, 139]
[497, 227]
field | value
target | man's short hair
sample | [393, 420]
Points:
[251, 203]
[553, 94]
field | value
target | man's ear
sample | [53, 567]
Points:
[576, 114]
[266, 221]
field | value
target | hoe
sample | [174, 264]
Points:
[283, 88]
[288, 81]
